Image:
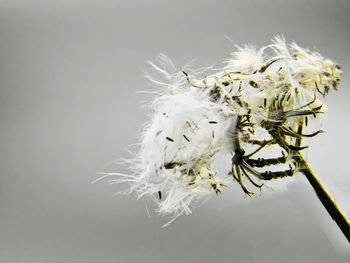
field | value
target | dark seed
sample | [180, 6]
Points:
[253, 84]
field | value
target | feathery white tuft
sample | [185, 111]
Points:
[194, 122]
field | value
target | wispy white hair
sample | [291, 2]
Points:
[192, 122]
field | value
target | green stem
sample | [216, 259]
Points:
[300, 131]
[327, 200]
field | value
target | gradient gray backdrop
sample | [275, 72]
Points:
[70, 73]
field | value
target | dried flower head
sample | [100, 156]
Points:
[256, 103]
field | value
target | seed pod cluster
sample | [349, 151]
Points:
[262, 101]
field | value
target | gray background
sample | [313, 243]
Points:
[69, 76]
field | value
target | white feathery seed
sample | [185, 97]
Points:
[193, 121]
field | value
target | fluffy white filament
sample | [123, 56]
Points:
[194, 121]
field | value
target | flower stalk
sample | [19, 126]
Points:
[326, 199]
[323, 195]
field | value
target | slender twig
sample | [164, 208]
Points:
[327, 200]
[300, 131]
